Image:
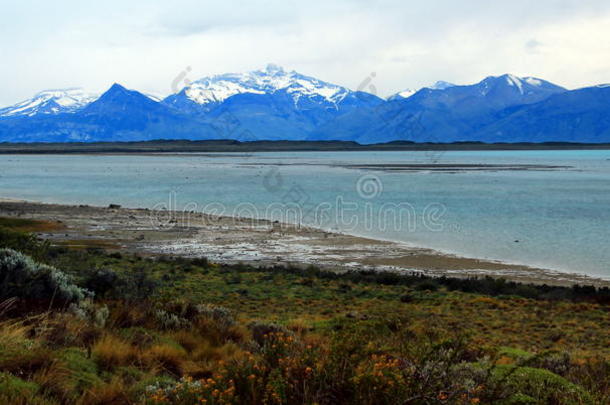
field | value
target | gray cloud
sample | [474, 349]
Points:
[145, 44]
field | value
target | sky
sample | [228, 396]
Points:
[378, 46]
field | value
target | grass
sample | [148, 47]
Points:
[30, 225]
[182, 331]
[88, 244]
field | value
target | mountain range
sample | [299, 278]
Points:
[274, 104]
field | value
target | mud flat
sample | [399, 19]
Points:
[258, 242]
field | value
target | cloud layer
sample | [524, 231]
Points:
[146, 44]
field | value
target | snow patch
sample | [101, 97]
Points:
[515, 81]
[533, 81]
[402, 94]
[441, 85]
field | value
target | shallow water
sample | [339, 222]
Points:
[558, 219]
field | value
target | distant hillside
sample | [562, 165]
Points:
[274, 104]
[183, 146]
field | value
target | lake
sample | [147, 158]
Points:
[547, 209]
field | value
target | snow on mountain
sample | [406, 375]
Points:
[441, 85]
[153, 96]
[273, 104]
[520, 81]
[216, 89]
[440, 115]
[402, 94]
[524, 86]
[51, 102]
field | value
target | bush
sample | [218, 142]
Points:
[538, 385]
[168, 321]
[201, 262]
[406, 298]
[101, 281]
[21, 277]
[260, 331]
[427, 285]
[137, 285]
[221, 315]
[23, 242]
[87, 311]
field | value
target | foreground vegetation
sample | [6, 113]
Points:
[90, 326]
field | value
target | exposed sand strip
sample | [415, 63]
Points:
[258, 242]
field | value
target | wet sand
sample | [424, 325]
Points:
[428, 167]
[258, 242]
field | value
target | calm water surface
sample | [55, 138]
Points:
[558, 219]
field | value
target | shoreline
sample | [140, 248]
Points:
[227, 145]
[261, 242]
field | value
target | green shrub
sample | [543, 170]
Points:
[137, 285]
[16, 389]
[21, 277]
[23, 242]
[429, 285]
[541, 385]
[82, 371]
[101, 281]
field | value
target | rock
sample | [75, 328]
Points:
[356, 315]
[114, 206]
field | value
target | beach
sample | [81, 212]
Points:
[258, 242]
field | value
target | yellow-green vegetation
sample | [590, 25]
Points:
[29, 225]
[163, 330]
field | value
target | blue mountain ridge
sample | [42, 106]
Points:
[273, 104]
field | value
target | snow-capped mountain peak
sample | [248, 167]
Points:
[216, 89]
[524, 86]
[51, 102]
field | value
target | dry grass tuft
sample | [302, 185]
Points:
[20, 355]
[299, 326]
[111, 352]
[55, 380]
[191, 341]
[64, 329]
[169, 358]
[113, 392]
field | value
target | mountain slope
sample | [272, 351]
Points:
[439, 85]
[438, 115]
[406, 93]
[118, 115]
[50, 102]
[273, 104]
[581, 115]
[267, 104]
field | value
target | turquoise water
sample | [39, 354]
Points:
[557, 219]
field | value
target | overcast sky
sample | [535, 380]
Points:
[146, 44]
